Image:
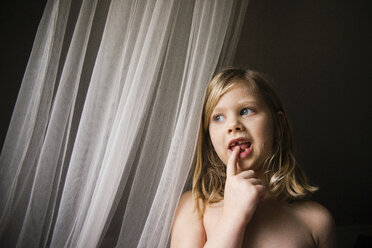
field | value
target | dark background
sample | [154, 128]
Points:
[318, 54]
[19, 22]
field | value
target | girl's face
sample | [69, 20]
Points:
[242, 119]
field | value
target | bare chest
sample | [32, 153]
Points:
[269, 227]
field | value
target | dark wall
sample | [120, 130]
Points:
[318, 54]
[19, 22]
[316, 51]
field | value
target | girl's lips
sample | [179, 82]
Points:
[246, 152]
[242, 142]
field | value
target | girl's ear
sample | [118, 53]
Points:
[282, 117]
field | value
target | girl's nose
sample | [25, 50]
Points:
[235, 126]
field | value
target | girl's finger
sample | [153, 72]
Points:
[247, 174]
[262, 189]
[232, 163]
[255, 181]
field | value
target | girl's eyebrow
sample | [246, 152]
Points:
[218, 109]
[248, 102]
[244, 102]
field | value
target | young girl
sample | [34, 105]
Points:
[247, 189]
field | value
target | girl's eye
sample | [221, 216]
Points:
[246, 111]
[218, 118]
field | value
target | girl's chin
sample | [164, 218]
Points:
[245, 165]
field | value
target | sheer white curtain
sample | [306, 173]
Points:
[103, 134]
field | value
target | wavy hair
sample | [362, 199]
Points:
[281, 174]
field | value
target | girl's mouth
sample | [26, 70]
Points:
[245, 147]
[243, 153]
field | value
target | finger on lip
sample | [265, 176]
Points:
[235, 150]
[232, 163]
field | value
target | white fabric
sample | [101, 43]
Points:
[103, 134]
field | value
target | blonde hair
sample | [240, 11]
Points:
[283, 177]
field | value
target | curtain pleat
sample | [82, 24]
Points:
[21, 153]
[103, 135]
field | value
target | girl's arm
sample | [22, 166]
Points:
[188, 229]
[227, 234]
[243, 191]
[320, 223]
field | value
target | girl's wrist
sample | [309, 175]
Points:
[234, 223]
[228, 233]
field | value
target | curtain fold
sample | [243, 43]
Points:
[103, 135]
[26, 133]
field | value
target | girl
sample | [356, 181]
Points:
[247, 189]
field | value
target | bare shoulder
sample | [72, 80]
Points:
[188, 229]
[319, 221]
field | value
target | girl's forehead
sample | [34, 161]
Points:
[239, 92]
[243, 86]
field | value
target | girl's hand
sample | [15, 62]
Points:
[243, 192]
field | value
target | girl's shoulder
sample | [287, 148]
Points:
[318, 219]
[312, 212]
[187, 229]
